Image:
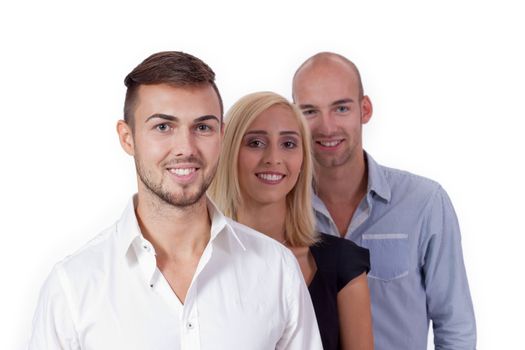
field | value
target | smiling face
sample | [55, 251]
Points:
[327, 92]
[176, 141]
[270, 156]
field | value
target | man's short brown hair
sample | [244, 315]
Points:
[169, 67]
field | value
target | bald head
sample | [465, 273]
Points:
[327, 89]
[322, 62]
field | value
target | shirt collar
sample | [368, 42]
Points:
[318, 205]
[377, 182]
[129, 231]
[219, 223]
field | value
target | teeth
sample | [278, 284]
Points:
[182, 171]
[329, 143]
[270, 177]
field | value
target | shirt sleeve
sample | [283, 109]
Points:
[53, 326]
[301, 332]
[352, 262]
[448, 296]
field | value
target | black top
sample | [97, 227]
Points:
[338, 262]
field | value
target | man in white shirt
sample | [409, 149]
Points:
[173, 272]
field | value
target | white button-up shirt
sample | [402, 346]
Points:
[247, 293]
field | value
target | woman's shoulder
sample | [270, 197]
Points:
[338, 245]
[342, 255]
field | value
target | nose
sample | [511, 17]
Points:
[325, 124]
[183, 143]
[272, 155]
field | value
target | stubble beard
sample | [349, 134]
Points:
[179, 200]
[333, 162]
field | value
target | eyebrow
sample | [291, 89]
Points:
[342, 101]
[335, 103]
[162, 116]
[306, 106]
[206, 117]
[172, 118]
[263, 132]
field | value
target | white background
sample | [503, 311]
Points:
[446, 79]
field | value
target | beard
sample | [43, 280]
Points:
[332, 162]
[186, 196]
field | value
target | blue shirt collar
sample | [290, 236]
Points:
[377, 182]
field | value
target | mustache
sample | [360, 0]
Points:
[328, 136]
[190, 159]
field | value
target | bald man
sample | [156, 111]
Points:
[406, 221]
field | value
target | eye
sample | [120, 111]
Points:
[164, 127]
[204, 128]
[342, 109]
[256, 143]
[309, 112]
[289, 144]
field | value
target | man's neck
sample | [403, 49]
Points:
[346, 183]
[175, 232]
[341, 189]
[268, 219]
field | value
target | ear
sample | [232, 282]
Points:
[366, 109]
[125, 135]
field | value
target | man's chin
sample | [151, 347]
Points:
[332, 162]
[182, 200]
[326, 162]
[176, 195]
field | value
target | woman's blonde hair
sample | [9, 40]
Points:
[225, 190]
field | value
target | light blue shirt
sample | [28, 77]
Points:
[417, 271]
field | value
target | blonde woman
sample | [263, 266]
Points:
[264, 181]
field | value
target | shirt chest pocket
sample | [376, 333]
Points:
[388, 255]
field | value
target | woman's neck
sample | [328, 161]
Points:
[268, 218]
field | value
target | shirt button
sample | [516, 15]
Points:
[189, 325]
